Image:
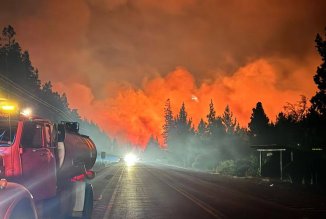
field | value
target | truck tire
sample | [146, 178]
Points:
[88, 204]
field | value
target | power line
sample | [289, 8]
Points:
[24, 91]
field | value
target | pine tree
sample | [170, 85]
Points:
[168, 121]
[315, 122]
[215, 126]
[259, 124]
[9, 33]
[183, 115]
[211, 118]
[183, 125]
[33, 82]
[202, 128]
[319, 100]
[228, 121]
[182, 139]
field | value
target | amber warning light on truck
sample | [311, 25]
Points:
[7, 107]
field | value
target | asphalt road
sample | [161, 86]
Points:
[152, 191]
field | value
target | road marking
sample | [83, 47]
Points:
[198, 202]
[102, 177]
[110, 205]
[195, 200]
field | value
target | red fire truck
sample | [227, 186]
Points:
[44, 164]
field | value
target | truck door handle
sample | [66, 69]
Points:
[43, 154]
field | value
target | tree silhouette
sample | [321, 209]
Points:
[33, 82]
[258, 125]
[215, 126]
[183, 137]
[182, 123]
[202, 129]
[168, 121]
[315, 122]
[211, 117]
[297, 111]
[285, 130]
[9, 33]
[228, 121]
[319, 100]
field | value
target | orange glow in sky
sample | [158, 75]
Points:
[136, 114]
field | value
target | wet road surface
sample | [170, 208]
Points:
[148, 191]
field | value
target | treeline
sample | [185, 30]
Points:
[217, 139]
[219, 144]
[19, 81]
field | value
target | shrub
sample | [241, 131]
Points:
[243, 167]
[226, 167]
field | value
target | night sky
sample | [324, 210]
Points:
[119, 60]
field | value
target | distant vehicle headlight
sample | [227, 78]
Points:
[130, 159]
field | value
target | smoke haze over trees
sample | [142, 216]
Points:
[219, 144]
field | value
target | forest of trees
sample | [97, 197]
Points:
[220, 144]
[19, 81]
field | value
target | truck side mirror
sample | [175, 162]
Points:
[71, 126]
[54, 133]
[61, 133]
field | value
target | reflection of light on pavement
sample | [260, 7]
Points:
[130, 168]
[130, 159]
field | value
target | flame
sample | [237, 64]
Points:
[134, 115]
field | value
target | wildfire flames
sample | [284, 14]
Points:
[136, 114]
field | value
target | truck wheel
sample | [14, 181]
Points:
[88, 204]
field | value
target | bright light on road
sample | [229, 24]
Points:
[130, 159]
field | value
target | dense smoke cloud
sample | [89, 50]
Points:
[119, 52]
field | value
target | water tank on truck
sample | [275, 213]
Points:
[77, 153]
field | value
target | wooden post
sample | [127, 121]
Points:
[281, 165]
[260, 163]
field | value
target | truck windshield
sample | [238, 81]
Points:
[7, 132]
